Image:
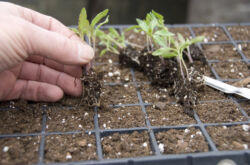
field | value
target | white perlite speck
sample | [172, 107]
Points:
[110, 74]
[245, 146]
[145, 144]
[186, 130]
[5, 149]
[125, 85]
[239, 47]
[117, 73]
[89, 145]
[161, 147]
[80, 126]
[63, 120]
[205, 40]
[192, 136]
[110, 61]
[68, 156]
[104, 125]
[198, 133]
[245, 127]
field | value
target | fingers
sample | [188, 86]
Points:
[75, 71]
[36, 72]
[35, 91]
[57, 47]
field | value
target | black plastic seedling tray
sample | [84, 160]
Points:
[213, 157]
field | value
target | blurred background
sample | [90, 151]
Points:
[125, 11]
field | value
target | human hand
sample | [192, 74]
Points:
[40, 58]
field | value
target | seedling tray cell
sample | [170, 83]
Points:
[137, 129]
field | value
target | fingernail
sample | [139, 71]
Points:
[85, 52]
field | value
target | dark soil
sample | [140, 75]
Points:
[153, 94]
[209, 94]
[19, 151]
[182, 30]
[175, 141]
[106, 58]
[126, 145]
[68, 148]
[137, 38]
[122, 117]
[165, 73]
[222, 52]
[219, 112]
[231, 137]
[246, 107]
[119, 94]
[140, 77]
[163, 114]
[92, 87]
[26, 118]
[114, 73]
[239, 32]
[232, 70]
[246, 49]
[61, 119]
[211, 33]
[68, 101]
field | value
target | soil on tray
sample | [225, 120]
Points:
[114, 73]
[69, 148]
[122, 117]
[245, 49]
[67, 119]
[153, 94]
[209, 94]
[140, 77]
[165, 73]
[126, 145]
[231, 70]
[119, 94]
[211, 33]
[106, 58]
[182, 30]
[219, 112]
[176, 141]
[222, 52]
[240, 32]
[163, 114]
[20, 150]
[138, 38]
[25, 118]
[230, 137]
[245, 105]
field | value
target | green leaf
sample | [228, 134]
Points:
[197, 39]
[103, 52]
[114, 32]
[83, 23]
[160, 40]
[98, 17]
[165, 52]
[159, 16]
[164, 32]
[132, 28]
[102, 23]
[143, 25]
[181, 38]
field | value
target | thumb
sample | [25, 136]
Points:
[56, 46]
